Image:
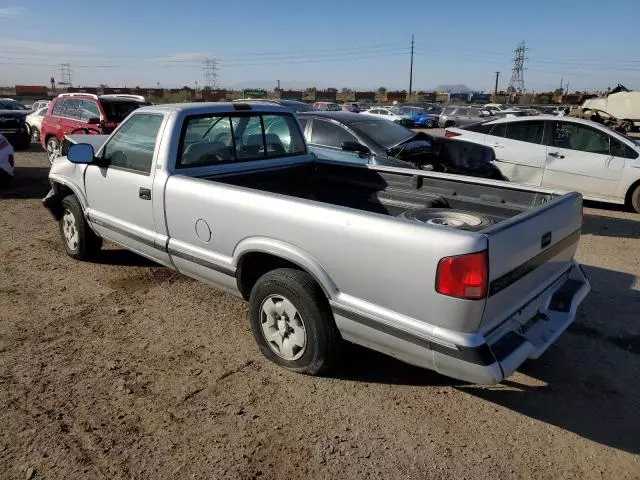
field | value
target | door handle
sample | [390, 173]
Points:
[497, 145]
[144, 193]
[555, 155]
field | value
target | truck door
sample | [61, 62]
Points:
[119, 189]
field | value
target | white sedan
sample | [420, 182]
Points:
[34, 120]
[6, 160]
[388, 114]
[563, 153]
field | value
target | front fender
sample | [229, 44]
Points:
[288, 252]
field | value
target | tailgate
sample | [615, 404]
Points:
[527, 253]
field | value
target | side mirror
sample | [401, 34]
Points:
[93, 121]
[350, 146]
[81, 153]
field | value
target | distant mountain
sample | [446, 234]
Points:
[455, 88]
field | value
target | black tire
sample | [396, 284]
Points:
[439, 216]
[52, 146]
[634, 199]
[88, 244]
[35, 134]
[322, 336]
[449, 123]
[431, 124]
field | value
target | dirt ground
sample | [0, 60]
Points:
[125, 370]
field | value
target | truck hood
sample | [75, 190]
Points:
[96, 141]
[14, 113]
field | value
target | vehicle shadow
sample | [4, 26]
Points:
[123, 258]
[364, 365]
[28, 182]
[605, 226]
[590, 375]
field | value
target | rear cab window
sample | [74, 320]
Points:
[238, 137]
[528, 131]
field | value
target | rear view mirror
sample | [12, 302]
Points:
[350, 146]
[81, 153]
[93, 121]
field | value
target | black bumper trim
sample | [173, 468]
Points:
[480, 355]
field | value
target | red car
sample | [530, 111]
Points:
[78, 113]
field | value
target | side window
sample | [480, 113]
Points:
[239, 138]
[579, 137]
[72, 108]
[58, 108]
[303, 124]
[375, 111]
[479, 128]
[132, 146]
[462, 111]
[282, 136]
[530, 132]
[619, 149]
[89, 110]
[329, 134]
[498, 130]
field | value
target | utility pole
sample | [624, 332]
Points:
[561, 81]
[411, 68]
[65, 72]
[495, 89]
[278, 88]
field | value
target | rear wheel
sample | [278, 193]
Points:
[53, 149]
[35, 134]
[431, 124]
[292, 322]
[80, 242]
[449, 123]
[634, 199]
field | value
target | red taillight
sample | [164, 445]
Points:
[449, 134]
[465, 276]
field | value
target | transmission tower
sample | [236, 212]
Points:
[516, 84]
[211, 73]
[65, 74]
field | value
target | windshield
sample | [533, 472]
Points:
[118, 110]
[9, 104]
[334, 107]
[387, 134]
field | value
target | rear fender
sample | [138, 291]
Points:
[288, 252]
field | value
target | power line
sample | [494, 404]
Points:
[411, 67]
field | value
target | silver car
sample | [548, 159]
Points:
[457, 116]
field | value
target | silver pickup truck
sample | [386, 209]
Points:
[465, 276]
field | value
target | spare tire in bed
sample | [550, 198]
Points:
[448, 217]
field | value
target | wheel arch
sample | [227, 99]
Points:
[257, 256]
[61, 189]
[632, 188]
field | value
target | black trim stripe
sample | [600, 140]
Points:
[204, 263]
[529, 266]
[480, 355]
[124, 232]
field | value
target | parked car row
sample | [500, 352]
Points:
[13, 125]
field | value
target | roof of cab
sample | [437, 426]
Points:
[213, 107]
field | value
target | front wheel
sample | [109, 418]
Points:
[292, 322]
[431, 124]
[80, 242]
[53, 149]
[35, 134]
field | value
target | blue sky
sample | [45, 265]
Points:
[356, 44]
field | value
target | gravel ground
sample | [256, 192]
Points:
[123, 369]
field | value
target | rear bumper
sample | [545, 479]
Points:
[476, 358]
[518, 339]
